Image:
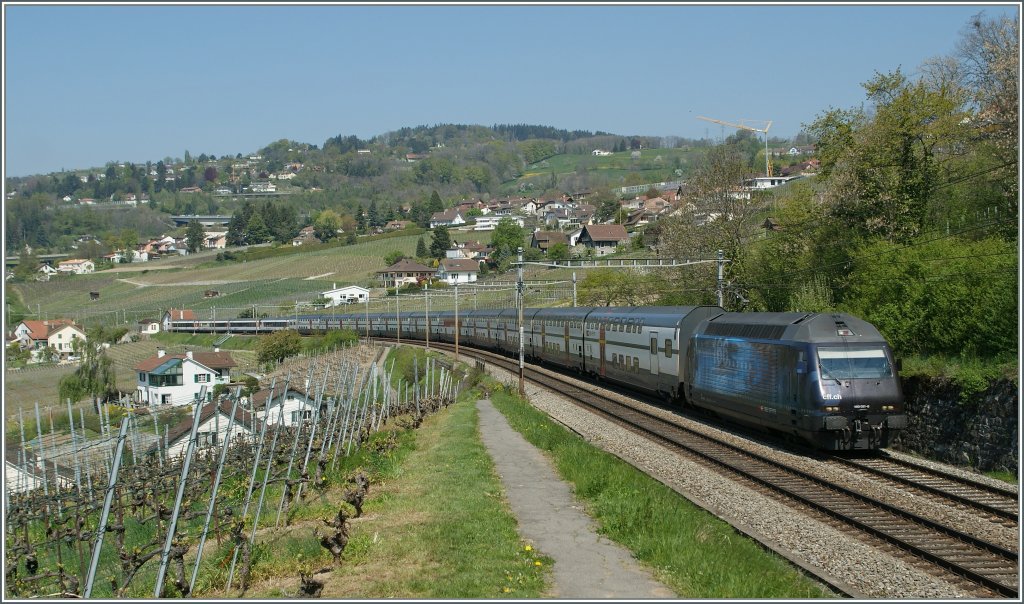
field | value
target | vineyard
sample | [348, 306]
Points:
[125, 505]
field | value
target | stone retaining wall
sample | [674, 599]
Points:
[982, 434]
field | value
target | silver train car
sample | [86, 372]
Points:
[828, 380]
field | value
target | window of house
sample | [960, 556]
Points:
[202, 378]
[142, 377]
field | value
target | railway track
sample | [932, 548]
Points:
[992, 568]
[1001, 504]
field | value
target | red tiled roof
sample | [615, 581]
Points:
[244, 418]
[40, 330]
[182, 315]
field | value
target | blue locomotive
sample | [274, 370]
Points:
[829, 380]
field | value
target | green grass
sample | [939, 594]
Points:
[692, 552]
[972, 374]
[1009, 477]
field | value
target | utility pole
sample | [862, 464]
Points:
[721, 277]
[519, 291]
[574, 289]
[367, 315]
[398, 318]
[426, 296]
[456, 320]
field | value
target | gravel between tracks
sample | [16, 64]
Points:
[867, 570]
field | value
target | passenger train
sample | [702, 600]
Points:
[829, 380]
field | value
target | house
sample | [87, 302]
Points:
[603, 238]
[411, 157]
[189, 190]
[148, 326]
[404, 272]
[768, 182]
[222, 191]
[76, 266]
[62, 339]
[47, 270]
[397, 225]
[288, 405]
[215, 240]
[116, 257]
[176, 315]
[263, 187]
[305, 237]
[600, 153]
[449, 217]
[454, 271]
[178, 379]
[36, 334]
[490, 222]
[543, 240]
[351, 294]
[214, 419]
[574, 237]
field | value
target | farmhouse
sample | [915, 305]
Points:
[454, 271]
[176, 315]
[59, 334]
[404, 272]
[77, 266]
[603, 238]
[287, 406]
[178, 379]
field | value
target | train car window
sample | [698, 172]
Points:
[636, 364]
[654, 345]
[668, 348]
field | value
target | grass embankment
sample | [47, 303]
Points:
[691, 551]
[434, 526]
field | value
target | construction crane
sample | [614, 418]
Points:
[767, 125]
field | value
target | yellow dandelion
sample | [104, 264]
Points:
[528, 548]
[506, 590]
[536, 563]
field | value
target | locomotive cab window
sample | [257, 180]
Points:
[845, 363]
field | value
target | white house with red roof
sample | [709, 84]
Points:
[60, 334]
[178, 379]
[453, 270]
[176, 315]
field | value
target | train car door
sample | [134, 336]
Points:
[653, 335]
[601, 343]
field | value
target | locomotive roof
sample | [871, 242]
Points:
[803, 327]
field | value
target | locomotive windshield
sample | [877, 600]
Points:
[846, 363]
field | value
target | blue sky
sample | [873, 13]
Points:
[88, 84]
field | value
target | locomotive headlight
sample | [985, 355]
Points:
[888, 408]
[832, 409]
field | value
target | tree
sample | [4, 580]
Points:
[558, 251]
[374, 215]
[361, 220]
[210, 174]
[440, 242]
[393, 257]
[257, 231]
[28, 264]
[278, 346]
[95, 377]
[421, 248]
[236, 229]
[326, 225]
[508, 237]
[195, 237]
[435, 204]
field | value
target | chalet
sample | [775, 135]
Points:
[214, 419]
[543, 240]
[176, 315]
[178, 379]
[603, 238]
[404, 272]
[449, 217]
[77, 266]
[454, 271]
[351, 294]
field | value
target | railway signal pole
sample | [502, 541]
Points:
[520, 296]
